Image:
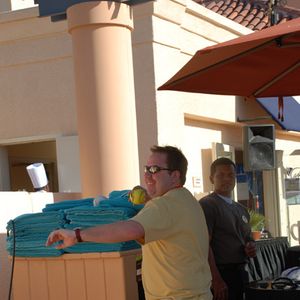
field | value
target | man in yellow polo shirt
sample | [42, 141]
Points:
[171, 228]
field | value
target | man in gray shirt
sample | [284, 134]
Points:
[230, 234]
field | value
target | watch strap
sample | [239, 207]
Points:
[78, 235]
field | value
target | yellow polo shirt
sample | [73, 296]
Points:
[175, 250]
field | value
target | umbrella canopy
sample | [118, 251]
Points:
[262, 64]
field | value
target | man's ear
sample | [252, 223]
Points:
[176, 176]
[211, 179]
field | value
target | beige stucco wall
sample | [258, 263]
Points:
[168, 33]
[36, 77]
[36, 72]
[180, 28]
[38, 93]
[37, 81]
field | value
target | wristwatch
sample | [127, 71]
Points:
[78, 235]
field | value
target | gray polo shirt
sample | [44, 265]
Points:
[228, 226]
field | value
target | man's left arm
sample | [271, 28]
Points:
[250, 249]
[250, 246]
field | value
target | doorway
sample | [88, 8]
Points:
[21, 155]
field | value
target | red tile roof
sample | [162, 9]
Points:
[254, 14]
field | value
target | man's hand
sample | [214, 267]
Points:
[66, 237]
[250, 249]
[218, 285]
[219, 289]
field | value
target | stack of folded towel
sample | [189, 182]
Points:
[62, 205]
[29, 233]
[116, 208]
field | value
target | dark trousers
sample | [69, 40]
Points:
[236, 278]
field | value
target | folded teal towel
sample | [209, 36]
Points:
[65, 204]
[30, 231]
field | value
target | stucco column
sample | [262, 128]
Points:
[102, 51]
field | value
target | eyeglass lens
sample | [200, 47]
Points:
[154, 169]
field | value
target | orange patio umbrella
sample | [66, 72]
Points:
[261, 64]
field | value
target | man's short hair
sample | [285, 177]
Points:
[221, 162]
[176, 161]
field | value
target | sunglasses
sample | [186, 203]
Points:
[154, 169]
